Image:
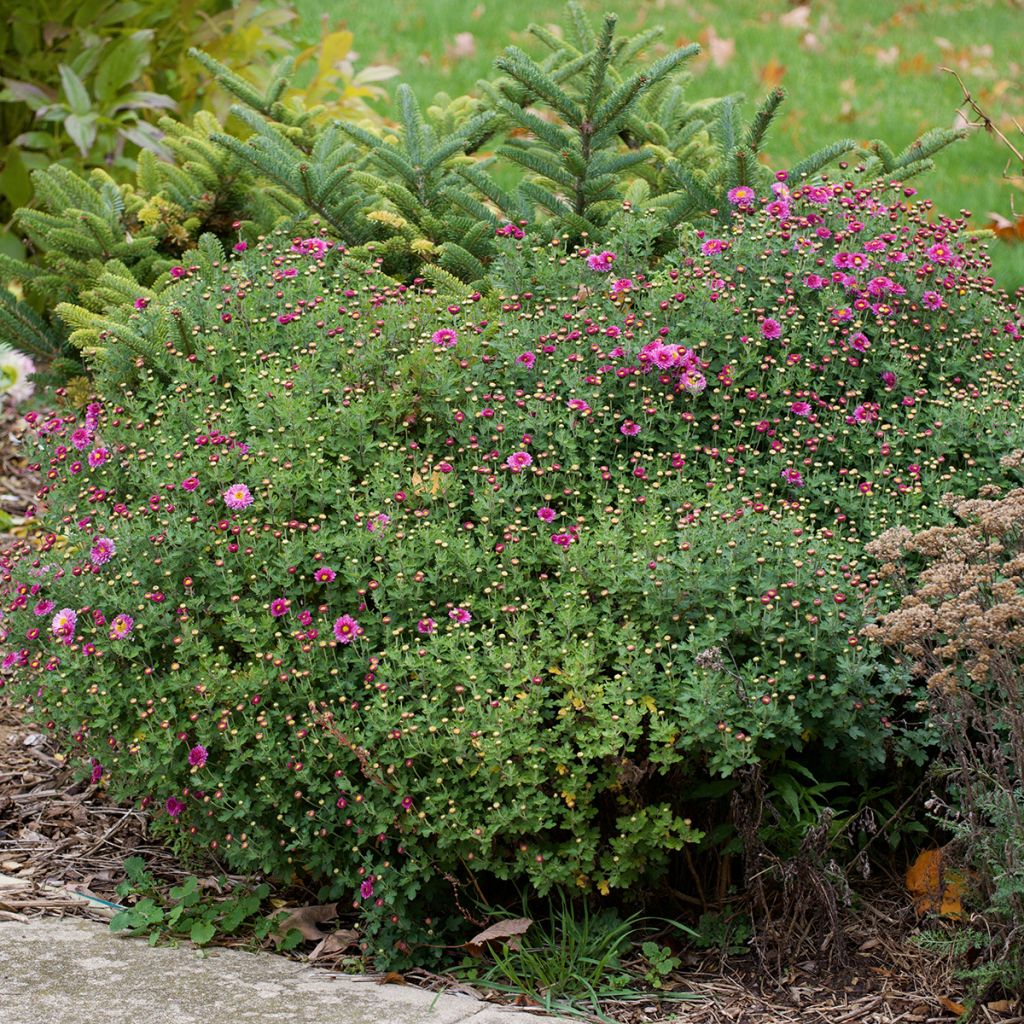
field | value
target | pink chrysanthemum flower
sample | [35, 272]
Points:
[366, 888]
[325, 575]
[121, 627]
[174, 806]
[102, 551]
[460, 615]
[426, 626]
[713, 246]
[792, 477]
[629, 429]
[526, 359]
[197, 756]
[81, 439]
[930, 300]
[546, 514]
[237, 497]
[771, 328]
[190, 483]
[97, 457]
[279, 607]
[741, 196]
[800, 408]
[518, 461]
[601, 261]
[64, 624]
[445, 338]
[694, 382]
[43, 608]
[346, 629]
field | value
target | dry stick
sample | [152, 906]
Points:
[986, 122]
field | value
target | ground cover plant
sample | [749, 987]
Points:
[411, 596]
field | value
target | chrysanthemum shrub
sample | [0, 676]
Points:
[399, 594]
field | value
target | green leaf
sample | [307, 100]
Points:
[15, 183]
[202, 932]
[75, 91]
[122, 64]
[82, 131]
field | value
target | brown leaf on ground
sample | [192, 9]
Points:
[1004, 229]
[957, 1009]
[799, 17]
[504, 931]
[721, 51]
[934, 890]
[336, 942]
[772, 73]
[305, 921]
[391, 978]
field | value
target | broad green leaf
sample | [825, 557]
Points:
[202, 932]
[15, 183]
[122, 64]
[75, 91]
[82, 131]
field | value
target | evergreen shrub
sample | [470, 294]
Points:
[397, 593]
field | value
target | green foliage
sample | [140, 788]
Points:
[189, 910]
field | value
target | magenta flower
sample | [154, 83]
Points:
[378, 522]
[366, 888]
[578, 405]
[771, 329]
[622, 284]
[518, 461]
[629, 428]
[325, 575]
[190, 483]
[460, 615]
[444, 338]
[81, 438]
[43, 608]
[121, 627]
[800, 408]
[279, 607]
[713, 246]
[102, 551]
[426, 626]
[792, 477]
[197, 756]
[346, 629]
[237, 497]
[694, 383]
[97, 457]
[64, 624]
[526, 359]
[601, 261]
[174, 806]
[546, 514]
[742, 196]
[930, 300]
[240, 246]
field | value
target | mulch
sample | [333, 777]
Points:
[63, 844]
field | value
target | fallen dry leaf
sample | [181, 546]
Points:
[464, 45]
[799, 17]
[772, 73]
[1004, 229]
[305, 921]
[721, 51]
[508, 931]
[336, 942]
[1002, 1006]
[391, 978]
[957, 1009]
[934, 890]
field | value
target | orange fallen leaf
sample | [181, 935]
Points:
[391, 978]
[772, 73]
[957, 1009]
[1004, 229]
[934, 890]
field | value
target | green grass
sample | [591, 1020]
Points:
[865, 69]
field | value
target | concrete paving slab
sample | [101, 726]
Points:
[71, 971]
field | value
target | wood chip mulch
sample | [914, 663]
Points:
[63, 845]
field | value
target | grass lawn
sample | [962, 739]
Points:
[867, 69]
